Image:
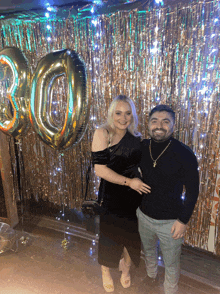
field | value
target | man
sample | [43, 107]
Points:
[167, 166]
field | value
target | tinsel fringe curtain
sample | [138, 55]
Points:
[155, 56]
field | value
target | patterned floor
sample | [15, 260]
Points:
[42, 265]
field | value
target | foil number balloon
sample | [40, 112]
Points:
[15, 124]
[49, 68]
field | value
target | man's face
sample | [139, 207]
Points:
[161, 126]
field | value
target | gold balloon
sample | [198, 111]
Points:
[13, 62]
[50, 68]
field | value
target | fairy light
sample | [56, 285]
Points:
[213, 50]
[211, 66]
[52, 9]
[153, 50]
[204, 90]
[94, 22]
[159, 2]
[98, 2]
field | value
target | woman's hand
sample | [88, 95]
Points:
[137, 185]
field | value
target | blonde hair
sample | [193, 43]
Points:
[109, 125]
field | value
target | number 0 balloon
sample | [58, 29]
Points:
[51, 67]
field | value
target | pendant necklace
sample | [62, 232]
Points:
[155, 160]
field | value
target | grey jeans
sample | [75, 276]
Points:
[150, 231]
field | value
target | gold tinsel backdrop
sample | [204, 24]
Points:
[155, 56]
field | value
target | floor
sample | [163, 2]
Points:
[41, 261]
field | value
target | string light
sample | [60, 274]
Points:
[52, 9]
[153, 50]
[98, 2]
[204, 90]
[94, 22]
[213, 50]
[159, 2]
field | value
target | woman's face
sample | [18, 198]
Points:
[122, 116]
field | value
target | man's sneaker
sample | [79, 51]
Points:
[152, 282]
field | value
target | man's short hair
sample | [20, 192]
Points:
[163, 107]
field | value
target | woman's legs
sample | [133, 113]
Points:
[126, 256]
[124, 266]
[107, 279]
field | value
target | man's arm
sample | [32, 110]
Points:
[191, 182]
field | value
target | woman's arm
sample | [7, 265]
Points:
[100, 142]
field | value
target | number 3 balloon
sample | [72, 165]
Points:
[51, 67]
[17, 93]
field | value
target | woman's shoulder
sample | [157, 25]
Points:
[101, 131]
[100, 139]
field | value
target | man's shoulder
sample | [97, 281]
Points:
[182, 148]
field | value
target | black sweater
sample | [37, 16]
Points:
[176, 167]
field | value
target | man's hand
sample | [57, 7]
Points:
[178, 230]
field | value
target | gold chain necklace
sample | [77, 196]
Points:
[155, 160]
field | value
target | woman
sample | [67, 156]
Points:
[116, 155]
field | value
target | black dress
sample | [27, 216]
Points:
[118, 225]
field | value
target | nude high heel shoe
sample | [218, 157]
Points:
[125, 276]
[107, 279]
